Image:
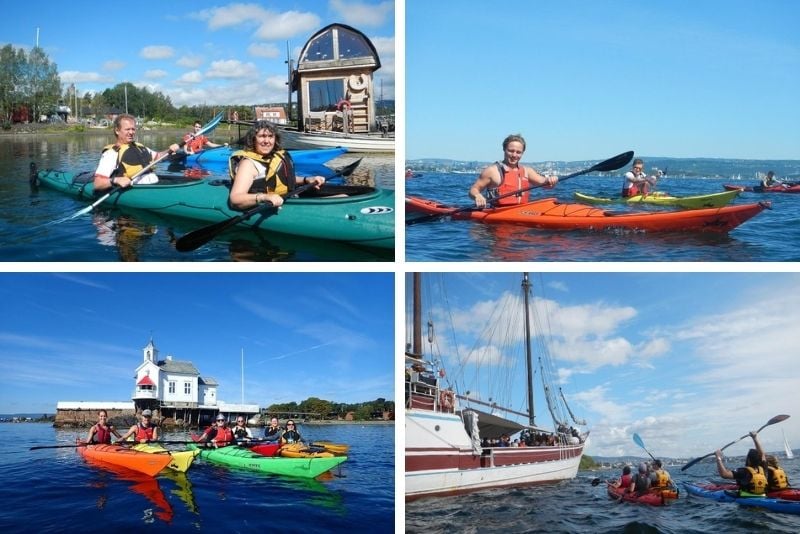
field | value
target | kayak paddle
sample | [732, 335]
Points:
[639, 442]
[610, 164]
[75, 445]
[197, 238]
[776, 419]
[136, 177]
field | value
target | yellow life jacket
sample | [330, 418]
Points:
[279, 176]
[661, 479]
[777, 478]
[131, 158]
[758, 481]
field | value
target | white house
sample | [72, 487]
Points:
[172, 383]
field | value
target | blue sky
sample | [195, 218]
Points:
[79, 336]
[587, 80]
[689, 361]
[196, 52]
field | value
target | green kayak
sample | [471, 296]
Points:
[713, 200]
[353, 214]
[234, 456]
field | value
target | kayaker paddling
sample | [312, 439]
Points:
[636, 180]
[263, 172]
[752, 477]
[508, 176]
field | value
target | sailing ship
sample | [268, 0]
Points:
[457, 443]
[786, 448]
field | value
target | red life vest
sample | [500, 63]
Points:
[196, 144]
[510, 180]
[144, 432]
[223, 436]
[101, 434]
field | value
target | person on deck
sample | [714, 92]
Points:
[218, 435]
[125, 157]
[660, 478]
[776, 476]
[751, 478]
[263, 171]
[144, 430]
[241, 432]
[640, 483]
[274, 431]
[508, 176]
[636, 181]
[290, 435]
[196, 143]
[101, 432]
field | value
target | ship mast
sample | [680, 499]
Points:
[526, 286]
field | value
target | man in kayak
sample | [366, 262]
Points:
[196, 143]
[636, 181]
[641, 481]
[123, 159]
[263, 172]
[771, 181]
[101, 432]
[752, 477]
[508, 177]
[659, 477]
[274, 431]
[144, 430]
[219, 435]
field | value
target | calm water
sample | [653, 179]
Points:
[54, 490]
[110, 235]
[773, 235]
[577, 506]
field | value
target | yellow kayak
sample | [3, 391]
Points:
[713, 200]
[300, 450]
[180, 460]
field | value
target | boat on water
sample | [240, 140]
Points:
[357, 215]
[235, 456]
[786, 448]
[550, 214]
[354, 142]
[457, 443]
[220, 155]
[654, 497]
[142, 462]
[709, 491]
[779, 188]
[659, 198]
[179, 460]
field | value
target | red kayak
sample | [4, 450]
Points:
[266, 449]
[550, 214]
[794, 188]
[787, 494]
[654, 497]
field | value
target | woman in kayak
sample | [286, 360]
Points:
[776, 476]
[508, 177]
[240, 431]
[290, 435]
[274, 431]
[636, 181]
[625, 479]
[101, 432]
[143, 431]
[752, 477]
[263, 172]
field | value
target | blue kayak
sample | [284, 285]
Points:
[721, 495]
[221, 155]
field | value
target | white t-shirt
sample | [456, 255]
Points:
[108, 163]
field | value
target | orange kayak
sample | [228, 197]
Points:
[149, 464]
[550, 214]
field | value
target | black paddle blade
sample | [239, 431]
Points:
[197, 238]
[612, 164]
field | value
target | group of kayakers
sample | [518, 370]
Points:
[760, 474]
[647, 478]
[261, 172]
[216, 435]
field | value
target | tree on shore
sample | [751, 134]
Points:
[27, 79]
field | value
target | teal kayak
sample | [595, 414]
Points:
[723, 495]
[357, 215]
[712, 200]
[221, 155]
[234, 456]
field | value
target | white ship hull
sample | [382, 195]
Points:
[353, 142]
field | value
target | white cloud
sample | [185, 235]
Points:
[231, 69]
[286, 25]
[263, 50]
[191, 77]
[157, 52]
[113, 65]
[190, 61]
[271, 25]
[357, 14]
[155, 74]
[74, 76]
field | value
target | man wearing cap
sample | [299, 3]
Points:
[143, 431]
[219, 435]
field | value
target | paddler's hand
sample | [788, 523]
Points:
[120, 181]
[550, 181]
[173, 148]
[480, 200]
[317, 181]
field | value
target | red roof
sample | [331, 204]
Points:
[145, 381]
